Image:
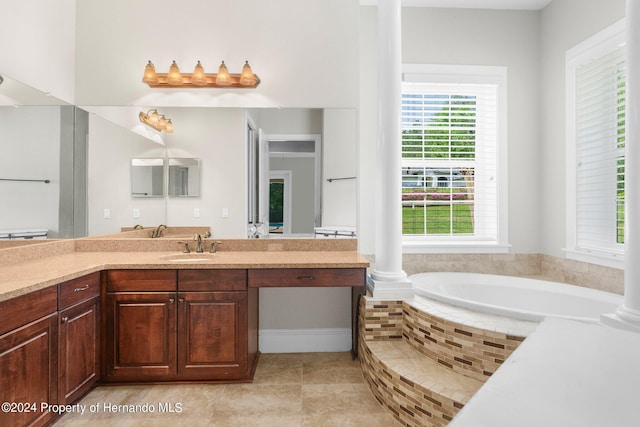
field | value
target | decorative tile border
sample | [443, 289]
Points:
[381, 320]
[471, 352]
[410, 403]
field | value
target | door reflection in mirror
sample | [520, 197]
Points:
[184, 177]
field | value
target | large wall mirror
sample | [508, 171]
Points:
[207, 180]
[39, 138]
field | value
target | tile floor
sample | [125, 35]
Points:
[301, 389]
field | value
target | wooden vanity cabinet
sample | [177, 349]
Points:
[174, 325]
[28, 357]
[140, 331]
[213, 324]
[78, 337]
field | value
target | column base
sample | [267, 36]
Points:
[389, 286]
[623, 318]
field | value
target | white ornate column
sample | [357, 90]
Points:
[628, 314]
[388, 280]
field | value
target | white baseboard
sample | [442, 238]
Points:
[304, 340]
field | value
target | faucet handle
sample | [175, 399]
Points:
[213, 247]
[186, 247]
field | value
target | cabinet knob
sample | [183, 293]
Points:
[65, 319]
[181, 300]
[171, 300]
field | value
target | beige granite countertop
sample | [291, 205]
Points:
[26, 269]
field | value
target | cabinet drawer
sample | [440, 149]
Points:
[306, 277]
[212, 280]
[78, 290]
[141, 280]
[23, 309]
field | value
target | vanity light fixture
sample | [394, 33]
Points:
[174, 78]
[156, 121]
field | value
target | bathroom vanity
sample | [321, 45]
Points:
[88, 313]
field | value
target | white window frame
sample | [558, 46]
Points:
[469, 75]
[594, 47]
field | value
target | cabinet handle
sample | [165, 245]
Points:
[64, 319]
[84, 288]
[306, 277]
[171, 300]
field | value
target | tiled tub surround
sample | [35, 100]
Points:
[425, 360]
[539, 265]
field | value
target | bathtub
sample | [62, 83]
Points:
[515, 297]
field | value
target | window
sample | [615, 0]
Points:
[595, 148]
[453, 151]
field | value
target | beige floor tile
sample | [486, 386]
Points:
[289, 390]
[278, 369]
[336, 399]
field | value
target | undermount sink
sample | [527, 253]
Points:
[189, 257]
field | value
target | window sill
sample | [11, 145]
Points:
[422, 247]
[594, 257]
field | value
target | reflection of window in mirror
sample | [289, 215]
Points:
[147, 177]
[184, 177]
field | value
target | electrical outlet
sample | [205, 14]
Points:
[196, 212]
[136, 213]
[225, 212]
[107, 214]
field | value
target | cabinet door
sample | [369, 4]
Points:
[78, 350]
[212, 335]
[28, 372]
[141, 336]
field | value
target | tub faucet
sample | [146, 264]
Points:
[158, 231]
[200, 248]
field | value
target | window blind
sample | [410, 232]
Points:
[600, 139]
[449, 161]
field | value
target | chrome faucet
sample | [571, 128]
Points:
[138, 227]
[158, 231]
[214, 247]
[200, 248]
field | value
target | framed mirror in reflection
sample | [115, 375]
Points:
[184, 177]
[147, 177]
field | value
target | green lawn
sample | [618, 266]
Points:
[438, 220]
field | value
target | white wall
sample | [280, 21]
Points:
[465, 37]
[305, 51]
[38, 44]
[564, 24]
[339, 160]
[30, 147]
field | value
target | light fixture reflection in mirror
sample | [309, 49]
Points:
[184, 177]
[156, 121]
